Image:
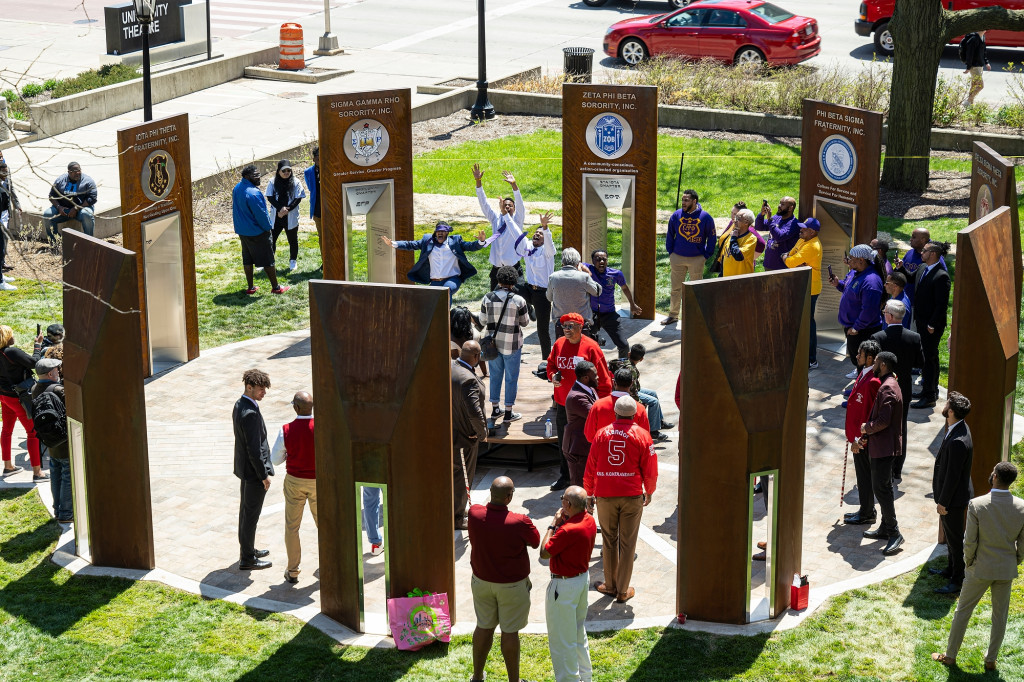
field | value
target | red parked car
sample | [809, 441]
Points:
[875, 15]
[732, 31]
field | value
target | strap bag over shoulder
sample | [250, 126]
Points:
[488, 346]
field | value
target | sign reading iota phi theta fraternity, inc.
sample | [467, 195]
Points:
[367, 142]
[838, 159]
[609, 136]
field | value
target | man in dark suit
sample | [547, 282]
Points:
[252, 466]
[469, 426]
[578, 402]
[906, 346]
[884, 433]
[442, 261]
[951, 486]
[931, 301]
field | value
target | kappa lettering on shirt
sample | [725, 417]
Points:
[568, 363]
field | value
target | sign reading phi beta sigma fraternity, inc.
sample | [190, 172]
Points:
[839, 164]
[609, 169]
[156, 206]
[365, 184]
[994, 184]
[124, 30]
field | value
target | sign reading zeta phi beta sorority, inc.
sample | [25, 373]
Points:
[365, 183]
[609, 162]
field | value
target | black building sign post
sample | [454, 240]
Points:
[124, 23]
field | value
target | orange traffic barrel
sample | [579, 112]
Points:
[291, 55]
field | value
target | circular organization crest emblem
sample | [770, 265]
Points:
[837, 159]
[984, 202]
[368, 142]
[609, 136]
[157, 177]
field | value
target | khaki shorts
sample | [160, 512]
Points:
[977, 71]
[504, 604]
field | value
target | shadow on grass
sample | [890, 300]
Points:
[922, 598]
[27, 542]
[234, 299]
[680, 655]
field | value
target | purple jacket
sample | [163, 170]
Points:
[783, 234]
[859, 308]
[691, 234]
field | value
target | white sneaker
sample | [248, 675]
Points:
[4, 286]
[8, 278]
[852, 375]
[293, 266]
[376, 550]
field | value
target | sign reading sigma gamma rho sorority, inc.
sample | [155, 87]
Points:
[839, 164]
[365, 184]
[609, 176]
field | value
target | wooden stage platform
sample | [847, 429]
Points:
[534, 402]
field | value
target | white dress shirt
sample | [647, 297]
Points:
[443, 263]
[505, 229]
[540, 261]
[277, 453]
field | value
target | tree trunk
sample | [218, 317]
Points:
[918, 35]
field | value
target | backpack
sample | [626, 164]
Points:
[965, 44]
[50, 420]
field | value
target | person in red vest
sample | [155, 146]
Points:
[858, 409]
[561, 369]
[294, 447]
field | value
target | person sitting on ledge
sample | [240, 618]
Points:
[442, 261]
[72, 197]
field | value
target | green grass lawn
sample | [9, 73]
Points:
[55, 626]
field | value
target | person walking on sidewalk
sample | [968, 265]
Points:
[285, 193]
[690, 241]
[253, 467]
[295, 448]
[974, 55]
[253, 227]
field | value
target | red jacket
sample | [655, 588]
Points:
[563, 358]
[622, 462]
[858, 407]
[602, 413]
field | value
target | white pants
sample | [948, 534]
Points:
[565, 607]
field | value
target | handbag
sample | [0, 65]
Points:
[419, 619]
[488, 347]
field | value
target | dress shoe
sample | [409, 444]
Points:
[917, 395]
[254, 565]
[762, 545]
[949, 588]
[260, 553]
[667, 425]
[990, 665]
[946, 660]
[893, 545]
[560, 484]
[658, 437]
[670, 320]
[625, 596]
[760, 556]
[922, 404]
[461, 524]
[940, 571]
[876, 534]
[288, 577]
[858, 520]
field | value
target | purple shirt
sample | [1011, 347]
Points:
[862, 297]
[605, 303]
[911, 262]
[783, 234]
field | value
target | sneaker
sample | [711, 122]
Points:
[293, 266]
[4, 286]
[376, 550]
[40, 477]
[280, 289]
[252, 290]
[813, 365]
[853, 374]
[259, 269]
[8, 278]
[9, 472]
[495, 412]
[511, 416]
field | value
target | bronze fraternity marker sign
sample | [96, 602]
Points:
[610, 166]
[156, 205]
[839, 164]
[993, 184]
[366, 182]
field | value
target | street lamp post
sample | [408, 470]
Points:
[482, 109]
[144, 15]
[328, 41]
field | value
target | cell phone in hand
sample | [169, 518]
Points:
[39, 329]
[830, 273]
[558, 376]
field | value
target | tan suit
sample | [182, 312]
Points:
[993, 548]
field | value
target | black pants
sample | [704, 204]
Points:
[881, 479]
[898, 460]
[519, 273]
[561, 419]
[3, 243]
[930, 371]
[293, 238]
[853, 342]
[249, 507]
[953, 527]
[463, 450]
[812, 347]
[610, 323]
[588, 330]
[538, 298]
[865, 488]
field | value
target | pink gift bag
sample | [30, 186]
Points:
[419, 619]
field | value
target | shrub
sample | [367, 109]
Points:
[9, 95]
[1011, 116]
[50, 84]
[31, 90]
[950, 95]
[93, 78]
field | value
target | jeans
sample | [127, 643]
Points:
[507, 365]
[85, 216]
[649, 399]
[60, 487]
[453, 283]
[813, 345]
[373, 514]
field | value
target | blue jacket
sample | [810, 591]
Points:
[691, 234]
[420, 272]
[249, 210]
[313, 188]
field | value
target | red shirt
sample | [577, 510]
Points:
[622, 462]
[858, 407]
[298, 443]
[499, 538]
[571, 545]
[602, 413]
[563, 358]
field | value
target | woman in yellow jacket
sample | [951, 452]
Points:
[808, 252]
[737, 248]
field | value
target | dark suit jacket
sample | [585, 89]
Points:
[420, 272]
[931, 298]
[577, 406]
[951, 477]
[469, 423]
[884, 427]
[906, 345]
[252, 452]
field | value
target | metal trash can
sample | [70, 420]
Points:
[579, 64]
